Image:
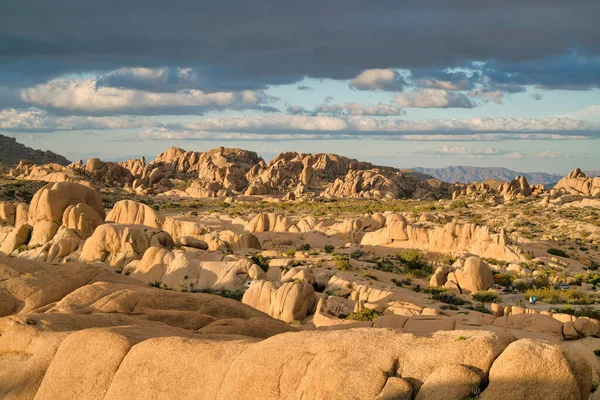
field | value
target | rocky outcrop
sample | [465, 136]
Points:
[577, 183]
[193, 270]
[132, 212]
[496, 192]
[116, 245]
[386, 183]
[78, 331]
[451, 237]
[474, 276]
[291, 301]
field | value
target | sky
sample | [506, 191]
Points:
[406, 83]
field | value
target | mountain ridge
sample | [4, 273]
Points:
[12, 152]
[469, 174]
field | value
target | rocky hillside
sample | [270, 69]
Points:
[11, 152]
[225, 172]
[464, 174]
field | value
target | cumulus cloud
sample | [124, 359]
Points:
[433, 98]
[84, 96]
[33, 120]
[382, 79]
[356, 127]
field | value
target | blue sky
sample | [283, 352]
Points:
[396, 83]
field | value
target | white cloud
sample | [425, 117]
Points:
[345, 109]
[444, 85]
[433, 98]
[85, 96]
[373, 79]
[535, 128]
[591, 113]
[37, 120]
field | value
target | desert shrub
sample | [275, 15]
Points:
[558, 296]
[158, 284]
[528, 255]
[329, 248]
[230, 294]
[557, 252]
[445, 296]
[485, 297]
[458, 204]
[401, 282]
[495, 262]
[480, 307]
[593, 265]
[585, 311]
[369, 275]
[366, 314]
[597, 352]
[448, 259]
[261, 261]
[504, 279]
[415, 263]
[411, 257]
[356, 254]
[290, 253]
[342, 263]
[304, 247]
[336, 292]
[386, 266]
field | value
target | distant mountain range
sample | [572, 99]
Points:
[11, 152]
[465, 174]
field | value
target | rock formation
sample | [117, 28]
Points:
[577, 183]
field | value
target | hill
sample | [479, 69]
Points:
[11, 152]
[465, 174]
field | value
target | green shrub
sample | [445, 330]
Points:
[304, 247]
[557, 252]
[261, 261]
[386, 266]
[485, 297]
[411, 257]
[597, 352]
[402, 282]
[458, 204]
[230, 294]
[504, 279]
[290, 253]
[356, 254]
[342, 263]
[558, 296]
[495, 262]
[329, 248]
[480, 307]
[369, 275]
[366, 314]
[158, 284]
[448, 259]
[585, 311]
[445, 296]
